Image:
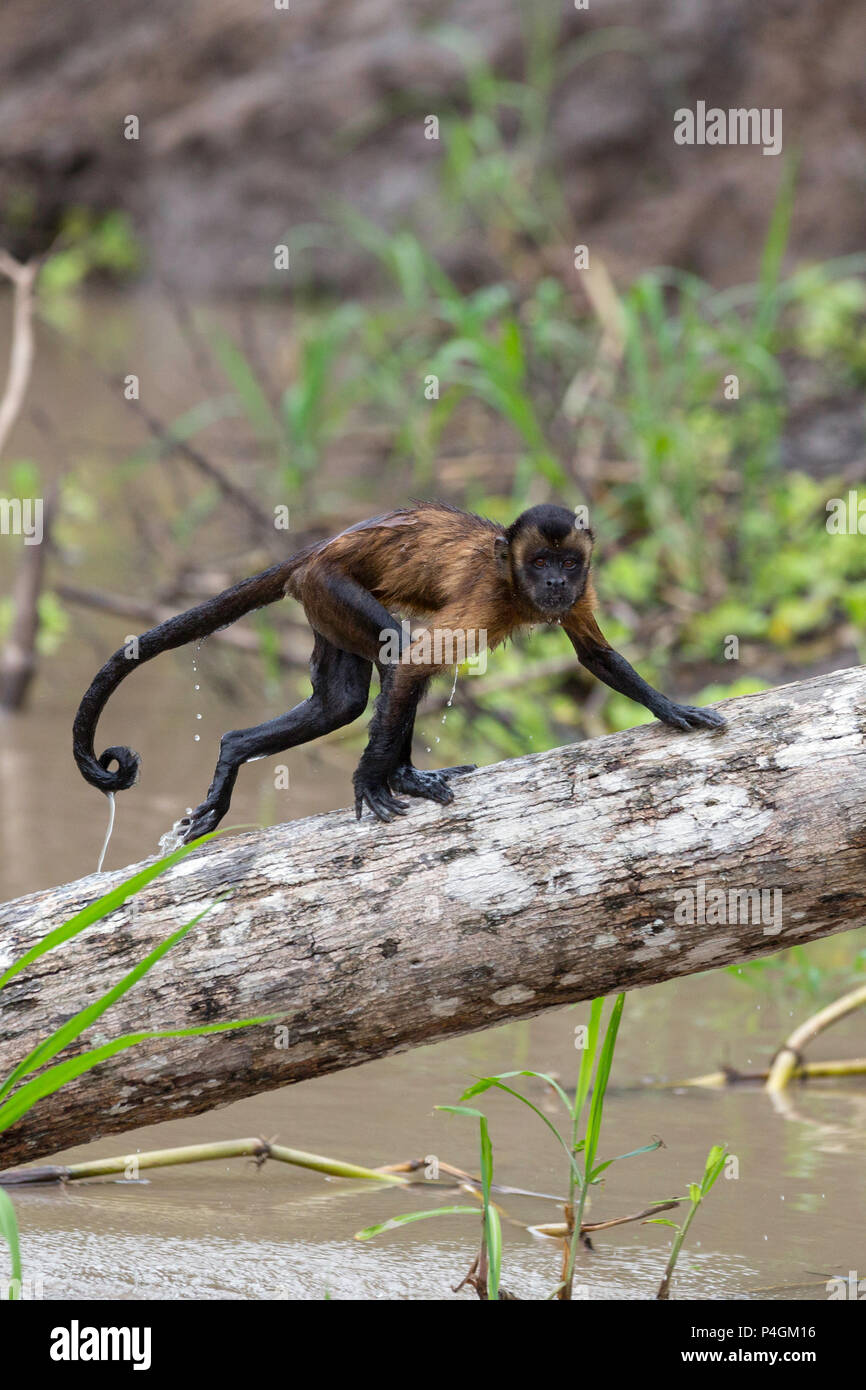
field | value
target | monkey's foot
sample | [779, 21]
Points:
[432, 786]
[692, 717]
[376, 795]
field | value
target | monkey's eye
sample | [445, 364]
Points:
[569, 564]
[539, 563]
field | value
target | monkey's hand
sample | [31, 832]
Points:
[692, 717]
[432, 786]
[205, 817]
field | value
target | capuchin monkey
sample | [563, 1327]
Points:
[447, 570]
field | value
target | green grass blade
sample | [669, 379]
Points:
[587, 1061]
[535, 1110]
[115, 898]
[767, 306]
[86, 1017]
[51, 1080]
[485, 1082]
[240, 374]
[493, 1232]
[632, 1153]
[486, 1161]
[404, 1220]
[9, 1232]
[602, 1076]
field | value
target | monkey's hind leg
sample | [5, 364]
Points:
[341, 686]
[386, 765]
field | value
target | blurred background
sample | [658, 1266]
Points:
[333, 269]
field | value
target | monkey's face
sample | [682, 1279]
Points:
[545, 554]
[546, 557]
[551, 578]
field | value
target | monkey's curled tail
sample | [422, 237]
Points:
[201, 621]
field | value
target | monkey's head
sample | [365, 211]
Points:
[545, 554]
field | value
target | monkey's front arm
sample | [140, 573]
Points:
[608, 666]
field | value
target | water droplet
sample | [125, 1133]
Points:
[196, 738]
[198, 716]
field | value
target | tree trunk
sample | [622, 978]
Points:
[552, 878]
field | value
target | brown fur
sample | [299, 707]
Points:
[463, 588]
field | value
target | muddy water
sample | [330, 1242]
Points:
[792, 1217]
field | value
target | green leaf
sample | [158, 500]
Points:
[460, 1110]
[404, 1220]
[485, 1082]
[645, 1149]
[714, 1165]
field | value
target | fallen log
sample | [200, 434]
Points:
[597, 867]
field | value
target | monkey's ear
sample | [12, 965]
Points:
[500, 553]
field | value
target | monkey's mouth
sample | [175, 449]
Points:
[553, 607]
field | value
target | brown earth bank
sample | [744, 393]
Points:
[254, 121]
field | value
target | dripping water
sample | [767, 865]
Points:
[196, 738]
[111, 810]
[450, 701]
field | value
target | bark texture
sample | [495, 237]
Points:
[552, 878]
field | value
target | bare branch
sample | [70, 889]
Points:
[22, 276]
